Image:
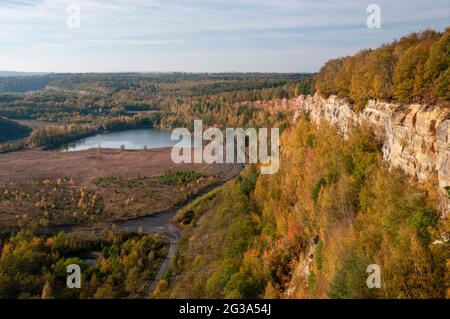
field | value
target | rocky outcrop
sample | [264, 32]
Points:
[416, 137]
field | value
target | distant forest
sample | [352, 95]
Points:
[83, 97]
[70, 106]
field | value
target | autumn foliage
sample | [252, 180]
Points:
[415, 68]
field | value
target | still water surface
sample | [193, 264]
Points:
[131, 140]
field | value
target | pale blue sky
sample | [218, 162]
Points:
[201, 35]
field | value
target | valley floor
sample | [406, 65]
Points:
[49, 188]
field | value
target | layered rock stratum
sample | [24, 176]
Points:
[415, 137]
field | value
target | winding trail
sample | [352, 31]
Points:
[162, 270]
[162, 223]
[157, 223]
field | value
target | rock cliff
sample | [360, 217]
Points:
[416, 137]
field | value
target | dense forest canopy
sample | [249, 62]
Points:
[416, 68]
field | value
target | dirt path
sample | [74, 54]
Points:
[162, 223]
[162, 270]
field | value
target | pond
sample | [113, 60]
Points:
[130, 140]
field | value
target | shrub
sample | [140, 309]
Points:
[181, 177]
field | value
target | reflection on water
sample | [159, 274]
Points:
[131, 140]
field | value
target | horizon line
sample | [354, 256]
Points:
[152, 72]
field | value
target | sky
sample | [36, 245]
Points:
[200, 35]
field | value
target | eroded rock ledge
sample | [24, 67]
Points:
[416, 137]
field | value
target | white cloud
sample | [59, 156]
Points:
[130, 26]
